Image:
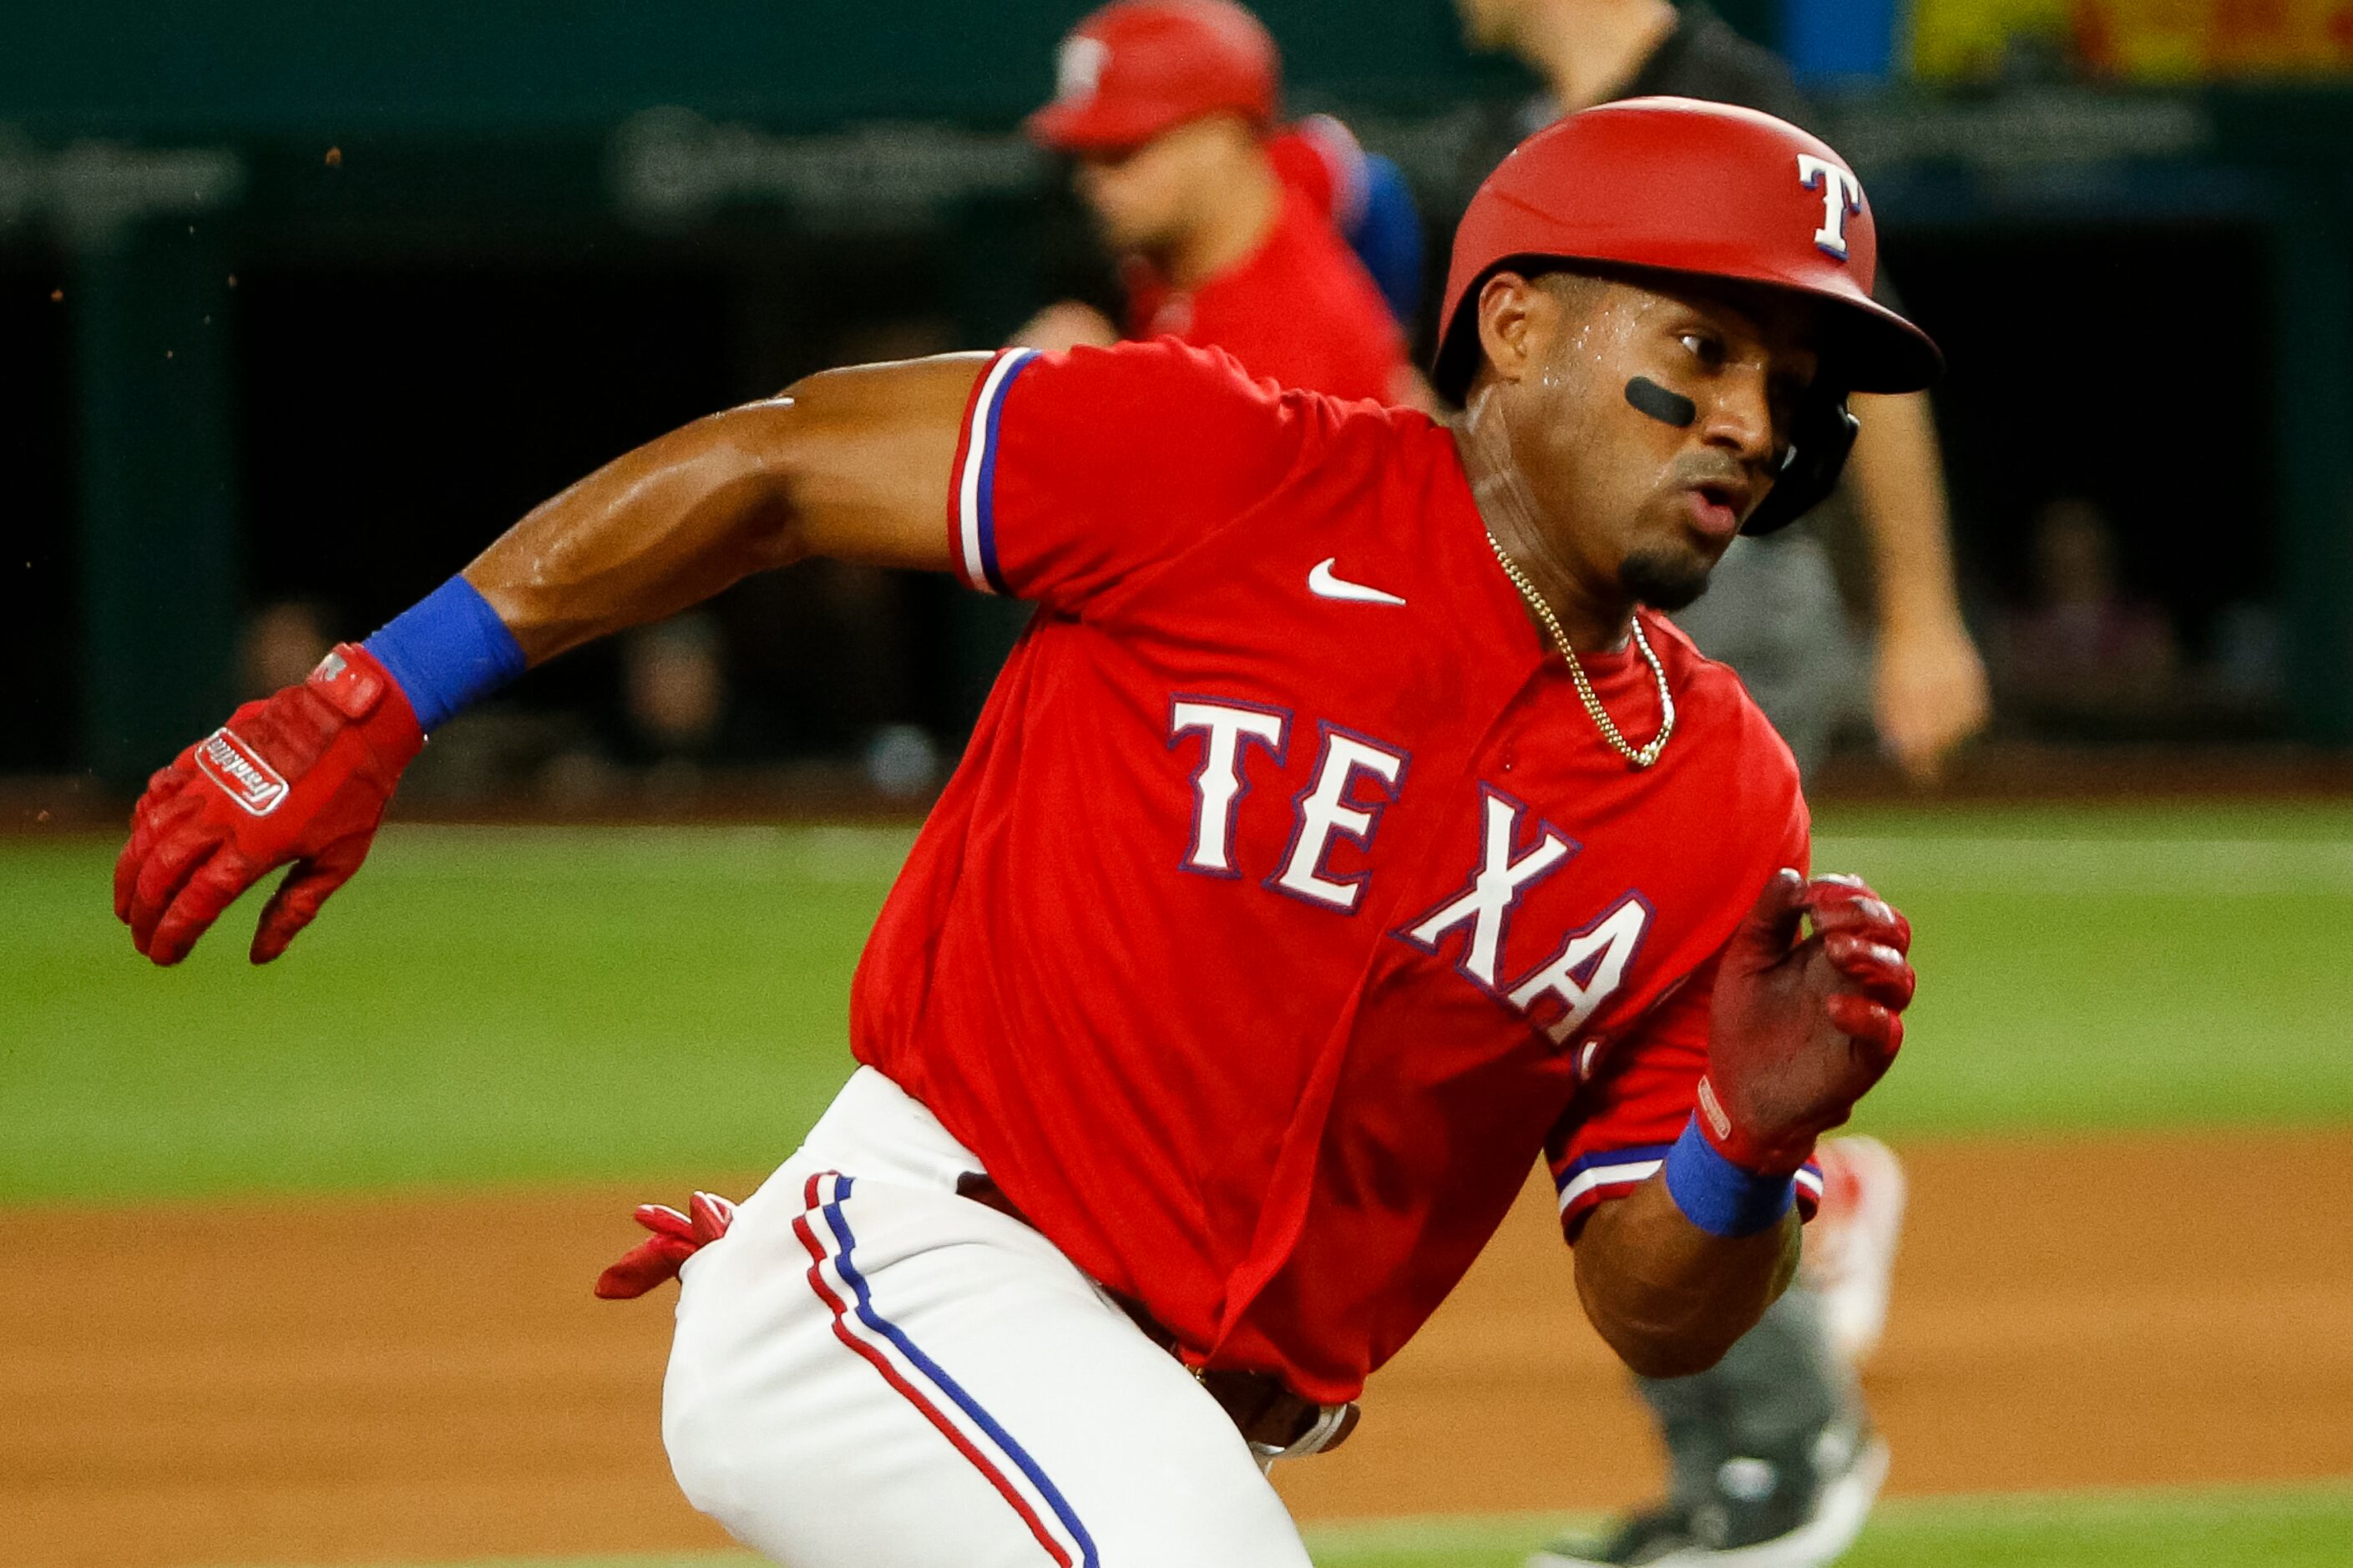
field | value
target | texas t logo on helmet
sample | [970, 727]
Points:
[1841, 199]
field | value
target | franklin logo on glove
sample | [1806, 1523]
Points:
[247, 779]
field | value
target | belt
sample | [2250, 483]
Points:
[1275, 1422]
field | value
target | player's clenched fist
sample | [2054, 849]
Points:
[301, 778]
[1802, 1029]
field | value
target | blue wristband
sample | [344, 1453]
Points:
[448, 650]
[1717, 1196]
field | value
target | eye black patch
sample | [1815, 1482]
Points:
[1666, 407]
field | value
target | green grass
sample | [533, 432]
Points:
[2240, 1527]
[545, 1006]
[2118, 969]
[483, 1005]
[2249, 1527]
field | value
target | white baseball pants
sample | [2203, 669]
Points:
[870, 1372]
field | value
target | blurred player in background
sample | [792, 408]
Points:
[1228, 230]
[1366, 198]
[1774, 1461]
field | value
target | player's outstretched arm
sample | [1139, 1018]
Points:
[852, 463]
[1672, 1273]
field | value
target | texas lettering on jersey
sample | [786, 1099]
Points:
[1584, 972]
[1287, 907]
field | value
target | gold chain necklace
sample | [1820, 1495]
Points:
[1640, 757]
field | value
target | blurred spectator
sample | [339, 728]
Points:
[2085, 649]
[674, 687]
[903, 762]
[2246, 669]
[676, 717]
[282, 643]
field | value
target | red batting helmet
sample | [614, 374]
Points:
[1680, 185]
[1138, 68]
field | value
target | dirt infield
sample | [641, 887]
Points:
[417, 1379]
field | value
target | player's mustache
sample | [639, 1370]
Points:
[1691, 469]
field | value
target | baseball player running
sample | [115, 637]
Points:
[1300, 886]
[1225, 227]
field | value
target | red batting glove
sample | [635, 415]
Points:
[300, 777]
[677, 1237]
[1802, 1029]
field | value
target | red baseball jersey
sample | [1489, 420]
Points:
[1319, 159]
[1300, 310]
[1287, 905]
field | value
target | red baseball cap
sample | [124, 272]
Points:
[1138, 68]
[1678, 185]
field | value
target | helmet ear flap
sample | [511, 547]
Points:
[1819, 440]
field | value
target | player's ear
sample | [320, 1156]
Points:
[1512, 313]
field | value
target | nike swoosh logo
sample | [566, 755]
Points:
[1325, 586]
